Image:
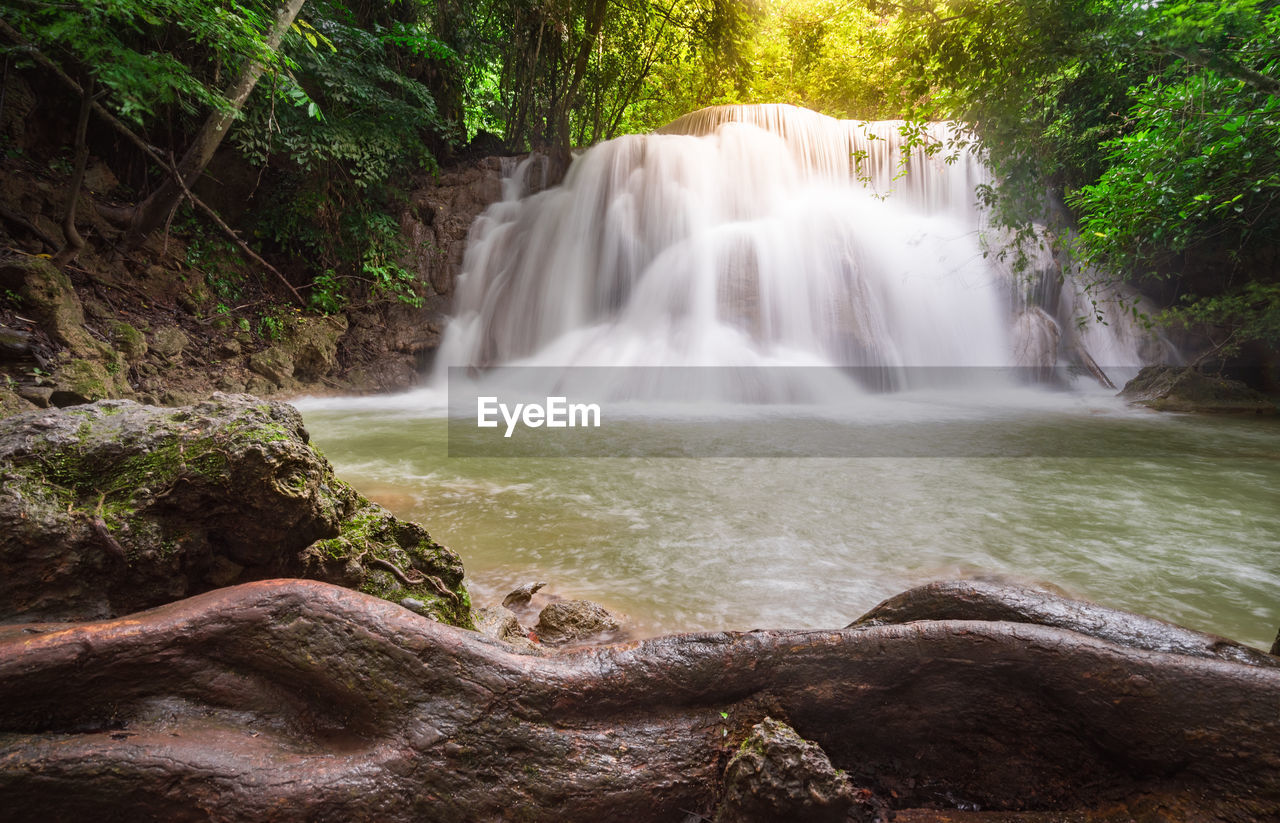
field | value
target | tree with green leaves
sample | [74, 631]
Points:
[1150, 128]
[153, 211]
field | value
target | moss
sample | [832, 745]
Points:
[83, 378]
[11, 403]
[129, 341]
[371, 536]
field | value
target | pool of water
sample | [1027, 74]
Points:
[1174, 516]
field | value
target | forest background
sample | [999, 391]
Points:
[1138, 138]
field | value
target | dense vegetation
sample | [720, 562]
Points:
[1146, 133]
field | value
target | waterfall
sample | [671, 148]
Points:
[760, 235]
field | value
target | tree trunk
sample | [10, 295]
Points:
[292, 700]
[153, 211]
[559, 125]
[74, 242]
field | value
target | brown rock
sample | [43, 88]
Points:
[568, 621]
[274, 364]
[169, 342]
[778, 775]
[1187, 389]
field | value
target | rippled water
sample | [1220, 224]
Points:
[1173, 516]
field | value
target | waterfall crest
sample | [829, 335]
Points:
[752, 235]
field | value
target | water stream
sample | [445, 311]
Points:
[743, 237]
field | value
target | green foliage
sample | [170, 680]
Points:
[150, 55]
[1198, 171]
[825, 55]
[357, 247]
[338, 160]
[214, 257]
[1249, 313]
[650, 61]
[326, 295]
[361, 115]
[270, 326]
[1155, 122]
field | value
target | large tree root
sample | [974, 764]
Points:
[296, 700]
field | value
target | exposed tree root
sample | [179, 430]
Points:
[295, 700]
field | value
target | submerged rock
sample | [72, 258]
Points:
[1187, 389]
[569, 621]
[113, 507]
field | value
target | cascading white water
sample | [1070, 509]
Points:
[741, 236]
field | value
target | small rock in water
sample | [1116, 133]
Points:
[522, 595]
[570, 620]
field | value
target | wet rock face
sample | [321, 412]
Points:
[1186, 389]
[113, 507]
[393, 342]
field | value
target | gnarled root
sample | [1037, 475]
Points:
[297, 700]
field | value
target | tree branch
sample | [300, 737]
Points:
[1228, 67]
[150, 152]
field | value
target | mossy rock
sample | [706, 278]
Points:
[93, 370]
[50, 299]
[13, 403]
[79, 381]
[274, 364]
[1187, 389]
[113, 507]
[169, 342]
[396, 560]
[129, 341]
[312, 346]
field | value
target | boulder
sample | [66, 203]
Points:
[87, 369]
[393, 559]
[49, 298]
[170, 342]
[1187, 389]
[130, 342]
[570, 621]
[12, 402]
[273, 363]
[113, 507]
[312, 346]
[778, 775]
[80, 380]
